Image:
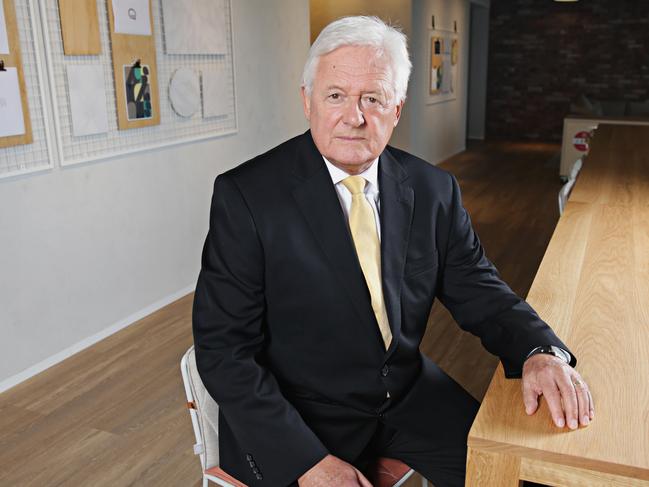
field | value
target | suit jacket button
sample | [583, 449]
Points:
[259, 476]
[249, 457]
[255, 470]
[385, 371]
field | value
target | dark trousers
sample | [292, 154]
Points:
[439, 458]
[443, 463]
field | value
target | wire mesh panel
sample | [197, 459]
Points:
[36, 156]
[172, 129]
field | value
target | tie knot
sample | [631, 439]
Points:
[355, 184]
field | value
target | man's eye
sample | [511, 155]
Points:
[334, 96]
[371, 99]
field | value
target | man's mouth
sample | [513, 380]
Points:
[349, 138]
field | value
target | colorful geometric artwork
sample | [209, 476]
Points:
[436, 64]
[444, 66]
[137, 86]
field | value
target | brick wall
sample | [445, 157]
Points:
[543, 54]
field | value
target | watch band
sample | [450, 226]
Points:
[551, 350]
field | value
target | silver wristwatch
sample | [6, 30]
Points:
[551, 350]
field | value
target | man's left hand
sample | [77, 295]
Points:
[566, 393]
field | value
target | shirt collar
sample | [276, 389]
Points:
[371, 174]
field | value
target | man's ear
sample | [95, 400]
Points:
[398, 109]
[306, 103]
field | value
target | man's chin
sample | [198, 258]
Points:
[352, 166]
[349, 158]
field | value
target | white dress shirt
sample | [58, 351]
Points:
[371, 175]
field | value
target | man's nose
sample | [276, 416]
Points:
[352, 113]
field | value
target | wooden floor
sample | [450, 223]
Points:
[114, 414]
[510, 190]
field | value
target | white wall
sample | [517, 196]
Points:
[87, 249]
[437, 131]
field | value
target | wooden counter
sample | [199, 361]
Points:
[593, 288]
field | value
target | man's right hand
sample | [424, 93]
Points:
[333, 471]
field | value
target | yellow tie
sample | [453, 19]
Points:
[368, 248]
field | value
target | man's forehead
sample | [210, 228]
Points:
[355, 61]
[351, 55]
[339, 72]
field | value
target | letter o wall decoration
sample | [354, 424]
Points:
[184, 92]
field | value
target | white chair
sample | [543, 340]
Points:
[204, 413]
[564, 193]
[576, 167]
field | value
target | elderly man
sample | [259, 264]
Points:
[323, 258]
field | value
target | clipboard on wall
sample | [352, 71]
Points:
[79, 27]
[135, 70]
[14, 108]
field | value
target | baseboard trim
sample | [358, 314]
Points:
[91, 340]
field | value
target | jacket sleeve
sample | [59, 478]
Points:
[229, 335]
[481, 302]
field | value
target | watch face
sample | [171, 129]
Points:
[552, 350]
[561, 353]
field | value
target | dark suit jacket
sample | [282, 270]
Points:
[286, 340]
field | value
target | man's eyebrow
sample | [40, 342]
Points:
[368, 92]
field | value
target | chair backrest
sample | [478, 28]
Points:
[576, 167]
[564, 193]
[204, 412]
[388, 472]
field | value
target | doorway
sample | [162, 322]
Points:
[478, 62]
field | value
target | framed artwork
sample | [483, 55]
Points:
[444, 63]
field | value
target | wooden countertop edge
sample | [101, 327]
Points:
[559, 458]
[617, 120]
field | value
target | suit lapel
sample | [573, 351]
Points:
[397, 203]
[316, 198]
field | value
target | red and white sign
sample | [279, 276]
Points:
[580, 141]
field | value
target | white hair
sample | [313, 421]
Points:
[362, 31]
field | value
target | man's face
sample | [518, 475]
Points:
[352, 109]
